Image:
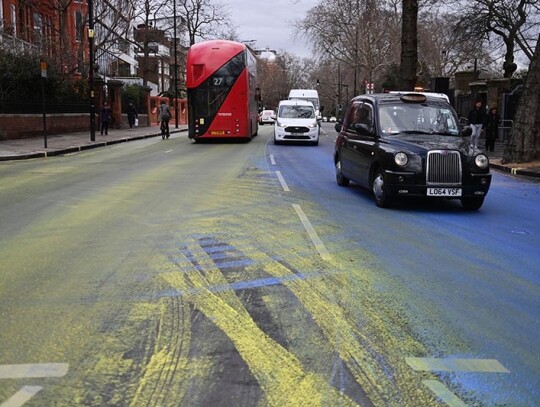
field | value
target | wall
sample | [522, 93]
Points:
[15, 126]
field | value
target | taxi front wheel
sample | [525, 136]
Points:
[379, 191]
[341, 179]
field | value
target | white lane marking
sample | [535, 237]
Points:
[444, 394]
[168, 151]
[22, 396]
[33, 370]
[272, 159]
[282, 181]
[319, 245]
[456, 365]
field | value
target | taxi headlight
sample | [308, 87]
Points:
[401, 159]
[481, 161]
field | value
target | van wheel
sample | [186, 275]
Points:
[341, 179]
[379, 191]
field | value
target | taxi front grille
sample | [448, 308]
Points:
[443, 168]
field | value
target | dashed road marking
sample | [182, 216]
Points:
[319, 245]
[33, 370]
[457, 365]
[168, 151]
[282, 181]
[272, 159]
[22, 396]
[442, 392]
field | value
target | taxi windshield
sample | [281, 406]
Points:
[407, 118]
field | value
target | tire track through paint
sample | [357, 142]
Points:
[279, 373]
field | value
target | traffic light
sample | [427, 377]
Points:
[318, 83]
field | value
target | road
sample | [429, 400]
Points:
[166, 273]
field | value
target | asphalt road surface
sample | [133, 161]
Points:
[167, 273]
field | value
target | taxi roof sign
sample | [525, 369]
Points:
[413, 98]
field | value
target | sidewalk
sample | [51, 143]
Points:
[531, 169]
[34, 147]
[72, 142]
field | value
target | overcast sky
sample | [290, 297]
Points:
[268, 22]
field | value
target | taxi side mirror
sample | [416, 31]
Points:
[466, 131]
[363, 129]
[338, 126]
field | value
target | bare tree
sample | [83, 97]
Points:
[524, 143]
[359, 34]
[148, 12]
[205, 19]
[277, 77]
[505, 22]
[439, 49]
[112, 22]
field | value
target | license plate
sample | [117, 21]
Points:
[444, 192]
[217, 132]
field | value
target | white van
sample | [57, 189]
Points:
[296, 121]
[310, 95]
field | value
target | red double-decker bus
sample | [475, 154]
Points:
[221, 86]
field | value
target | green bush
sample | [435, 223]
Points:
[137, 94]
[20, 85]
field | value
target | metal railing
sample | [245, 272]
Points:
[504, 130]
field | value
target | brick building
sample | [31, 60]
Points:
[51, 28]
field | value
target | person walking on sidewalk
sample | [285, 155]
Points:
[105, 117]
[477, 117]
[492, 128]
[131, 114]
[164, 117]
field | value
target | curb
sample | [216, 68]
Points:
[75, 149]
[515, 171]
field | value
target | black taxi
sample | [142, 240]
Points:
[409, 145]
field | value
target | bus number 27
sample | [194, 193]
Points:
[218, 81]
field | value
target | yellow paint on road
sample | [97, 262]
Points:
[280, 374]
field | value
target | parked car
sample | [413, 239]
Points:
[296, 121]
[267, 117]
[409, 145]
[332, 119]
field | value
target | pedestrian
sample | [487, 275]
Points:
[105, 117]
[492, 128]
[477, 117]
[132, 114]
[164, 116]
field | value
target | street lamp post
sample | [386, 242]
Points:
[91, 72]
[175, 68]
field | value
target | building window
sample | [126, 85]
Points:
[38, 28]
[79, 26]
[13, 20]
